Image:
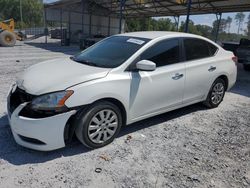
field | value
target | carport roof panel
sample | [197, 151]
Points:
[154, 8]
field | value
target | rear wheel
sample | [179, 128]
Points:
[99, 124]
[216, 94]
[7, 39]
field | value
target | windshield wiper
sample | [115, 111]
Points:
[84, 61]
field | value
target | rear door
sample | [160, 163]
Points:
[200, 68]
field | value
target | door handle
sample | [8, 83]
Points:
[177, 76]
[212, 68]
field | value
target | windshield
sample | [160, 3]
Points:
[111, 52]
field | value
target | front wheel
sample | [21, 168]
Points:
[216, 94]
[7, 39]
[99, 124]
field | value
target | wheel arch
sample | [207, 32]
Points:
[70, 126]
[225, 79]
[119, 104]
[206, 102]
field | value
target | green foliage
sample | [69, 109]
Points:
[165, 24]
[233, 37]
[191, 28]
[222, 28]
[149, 24]
[205, 30]
[239, 17]
[32, 11]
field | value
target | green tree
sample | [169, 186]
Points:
[204, 30]
[32, 11]
[222, 26]
[149, 24]
[165, 24]
[239, 17]
[191, 27]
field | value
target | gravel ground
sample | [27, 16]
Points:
[189, 147]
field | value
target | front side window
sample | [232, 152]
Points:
[111, 52]
[163, 53]
[198, 48]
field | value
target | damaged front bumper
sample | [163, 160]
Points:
[43, 133]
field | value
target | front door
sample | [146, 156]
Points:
[152, 92]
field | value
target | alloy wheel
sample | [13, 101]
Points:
[217, 93]
[102, 126]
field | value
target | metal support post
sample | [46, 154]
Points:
[82, 16]
[61, 25]
[45, 25]
[69, 27]
[188, 13]
[218, 26]
[122, 3]
[90, 23]
[109, 26]
[177, 19]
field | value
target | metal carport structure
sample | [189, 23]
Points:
[154, 8]
[123, 9]
[176, 8]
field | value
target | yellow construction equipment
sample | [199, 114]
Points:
[8, 36]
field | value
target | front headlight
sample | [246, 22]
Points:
[52, 101]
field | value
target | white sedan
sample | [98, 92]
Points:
[118, 81]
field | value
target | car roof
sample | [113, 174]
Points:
[158, 34]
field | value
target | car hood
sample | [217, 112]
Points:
[58, 74]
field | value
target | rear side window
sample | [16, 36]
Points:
[163, 53]
[212, 48]
[198, 48]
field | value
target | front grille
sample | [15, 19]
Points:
[19, 97]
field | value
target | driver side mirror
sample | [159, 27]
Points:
[146, 65]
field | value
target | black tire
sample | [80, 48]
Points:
[246, 67]
[84, 118]
[7, 39]
[209, 101]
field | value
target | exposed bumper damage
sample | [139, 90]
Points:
[45, 133]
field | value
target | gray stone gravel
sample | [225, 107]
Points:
[189, 147]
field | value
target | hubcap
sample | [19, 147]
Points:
[217, 93]
[102, 126]
[7, 38]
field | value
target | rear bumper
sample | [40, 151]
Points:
[44, 134]
[232, 77]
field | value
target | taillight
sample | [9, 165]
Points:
[235, 59]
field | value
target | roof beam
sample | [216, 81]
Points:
[154, 8]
